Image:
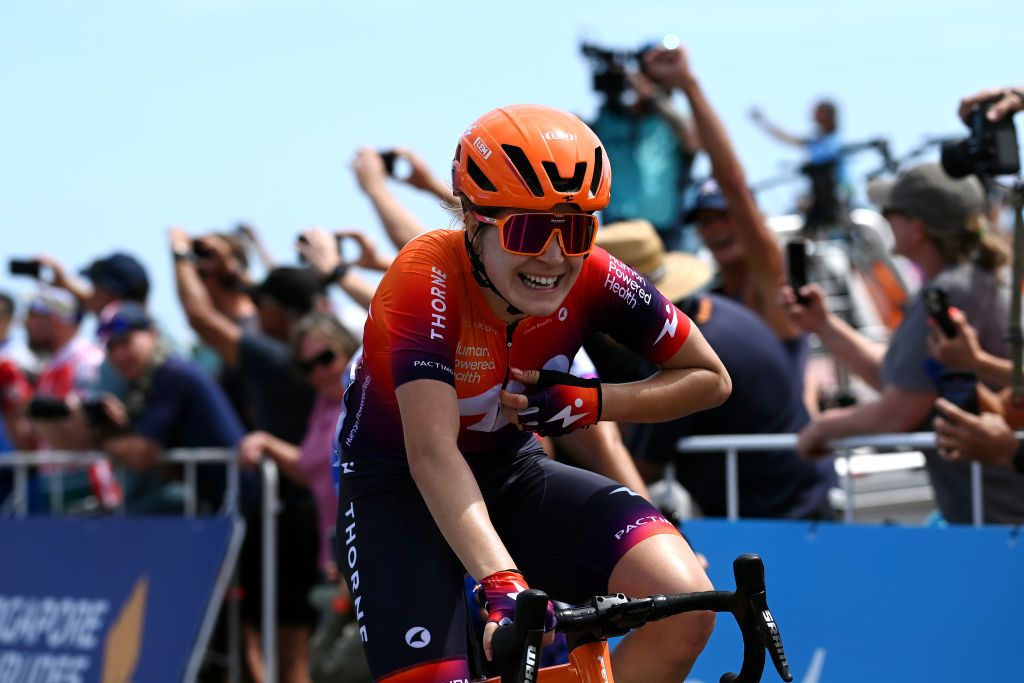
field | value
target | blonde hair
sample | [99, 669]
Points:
[976, 243]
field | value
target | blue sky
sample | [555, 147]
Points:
[122, 118]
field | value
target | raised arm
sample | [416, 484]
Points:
[213, 327]
[78, 288]
[399, 222]
[767, 126]
[672, 68]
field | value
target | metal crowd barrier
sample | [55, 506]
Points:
[189, 459]
[734, 444]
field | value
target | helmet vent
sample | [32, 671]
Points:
[571, 184]
[595, 181]
[522, 164]
[481, 180]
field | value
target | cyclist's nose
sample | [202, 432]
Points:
[553, 253]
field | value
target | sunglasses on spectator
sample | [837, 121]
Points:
[529, 234]
[324, 358]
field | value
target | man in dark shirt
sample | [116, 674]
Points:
[170, 403]
[766, 397]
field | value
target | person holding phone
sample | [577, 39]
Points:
[938, 224]
[372, 172]
[750, 262]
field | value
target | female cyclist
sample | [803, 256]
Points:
[467, 346]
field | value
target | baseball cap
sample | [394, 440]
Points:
[120, 317]
[121, 274]
[709, 198]
[296, 289]
[927, 192]
[56, 302]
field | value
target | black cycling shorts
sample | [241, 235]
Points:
[566, 529]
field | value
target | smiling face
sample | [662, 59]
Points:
[719, 234]
[536, 285]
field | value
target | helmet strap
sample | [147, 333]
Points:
[480, 273]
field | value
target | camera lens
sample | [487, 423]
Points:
[956, 159]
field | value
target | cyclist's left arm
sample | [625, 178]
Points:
[693, 379]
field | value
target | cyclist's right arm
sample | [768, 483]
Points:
[430, 420]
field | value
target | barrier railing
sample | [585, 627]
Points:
[734, 444]
[189, 459]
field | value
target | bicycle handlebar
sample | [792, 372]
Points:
[615, 615]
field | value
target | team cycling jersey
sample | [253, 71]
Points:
[429, 319]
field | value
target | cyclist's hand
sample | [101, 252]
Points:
[554, 402]
[497, 593]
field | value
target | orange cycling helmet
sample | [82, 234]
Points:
[528, 156]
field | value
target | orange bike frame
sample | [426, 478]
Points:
[588, 663]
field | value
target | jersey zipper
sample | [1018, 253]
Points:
[510, 328]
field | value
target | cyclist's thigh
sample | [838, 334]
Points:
[567, 528]
[406, 583]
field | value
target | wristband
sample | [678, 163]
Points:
[183, 254]
[338, 272]
[560, 403]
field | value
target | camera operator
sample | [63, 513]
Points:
[648, 141]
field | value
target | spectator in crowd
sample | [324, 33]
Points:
[322, 347]
[824, 166]
[11, 348]
[282, 403]
[15, 360]
[399, 222]
[651, 146]
[962, 435]
[222, 263]
[937, 224]
[171, 403]
[118, 277]
[68, 374]
[766, 398]
[750, 264]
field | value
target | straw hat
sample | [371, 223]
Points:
[637, 244]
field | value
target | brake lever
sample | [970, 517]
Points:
[768, 631]
[749, 572]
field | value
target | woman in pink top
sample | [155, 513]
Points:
[323, 347]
